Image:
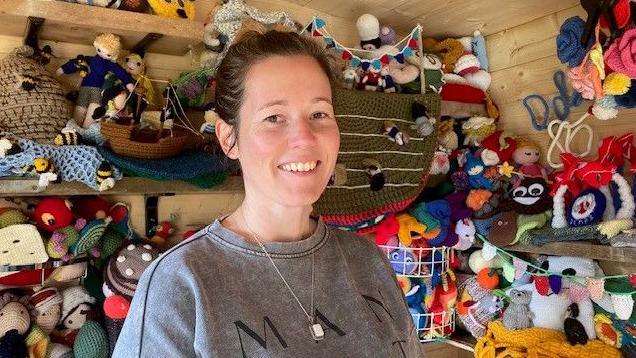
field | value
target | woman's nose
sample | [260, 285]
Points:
[302, 133]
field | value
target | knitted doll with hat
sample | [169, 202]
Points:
[526, 155]
[77, 304]
[108, 47]
[47, 308]
[14, 323]
[498, 148]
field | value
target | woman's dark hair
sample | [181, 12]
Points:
[251, 48]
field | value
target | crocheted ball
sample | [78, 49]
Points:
[616, 83]
[91, 341]
[116, 307]
[569, 48]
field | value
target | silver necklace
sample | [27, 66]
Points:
[316, 330]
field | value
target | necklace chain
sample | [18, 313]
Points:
[309, 317]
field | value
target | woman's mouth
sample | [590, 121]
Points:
[299, 167]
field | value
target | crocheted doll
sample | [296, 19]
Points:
[76, 306]
[526, 156]
[518, 315]
[47, 308]
[108, 47]
[144, 92]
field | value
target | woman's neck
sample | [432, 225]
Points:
[271, 223]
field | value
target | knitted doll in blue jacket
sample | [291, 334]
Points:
[93, 69]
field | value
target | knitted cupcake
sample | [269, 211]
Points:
[125, 268]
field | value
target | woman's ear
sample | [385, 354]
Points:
[227, 138]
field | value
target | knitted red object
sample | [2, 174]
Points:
[351, 220]
[116, 307]
[383, 230]
[622, 14]
[51, 214]
[462, 93]
[25, 278]
[542, 284]
[493, 143]
[632, 279]
[91, 208]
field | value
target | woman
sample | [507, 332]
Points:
[269, 280]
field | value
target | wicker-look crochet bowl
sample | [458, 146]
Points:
[360, 116]
[118, 138]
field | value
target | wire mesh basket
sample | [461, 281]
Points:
[416, 261]
[434, 326]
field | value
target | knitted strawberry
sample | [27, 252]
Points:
[542, 284]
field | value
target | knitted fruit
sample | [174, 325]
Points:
[488, 278]
[542, 284]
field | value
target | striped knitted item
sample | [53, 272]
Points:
[582, 233]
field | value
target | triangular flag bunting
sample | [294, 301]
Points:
[632, 279]
[555, 283]
[355, 61]
[623, 306]
[376, 64]
[399, 58]
[413, 43]
[508, 271]
[385, 59]
[596, 287]
[320, 23]
[316, 33]
[407, 51]
[346, 54]
[520, 267]
[309, 27]
[577, 293]
[489, 251]
[365, 65]
[542, 284]
[416, 33]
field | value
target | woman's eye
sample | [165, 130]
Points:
[273, 119]
[319, 115]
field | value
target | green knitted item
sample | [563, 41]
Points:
[361, 116]
[71, 236]
[12, 217]
[423, 216]
[91, 341]
[110, 242]
[89, 236]
[529, 222]
[582, 233]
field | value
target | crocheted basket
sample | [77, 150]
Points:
[118, 139]
[32, 102]
[361, 116]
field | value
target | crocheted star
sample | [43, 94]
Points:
[506, 170]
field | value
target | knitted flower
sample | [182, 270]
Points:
[569, 48]
[506, 169]
[619, 56]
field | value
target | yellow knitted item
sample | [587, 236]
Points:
[612, 228]
[491, 108]
[37, 342]
[410, 224]
[616, 84]
[173, 8]
[536, 343]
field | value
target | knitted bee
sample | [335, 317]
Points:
[46, 170]
[105, 178]
[7, 147]
[82, 65]
[68, 137]
[28, 82]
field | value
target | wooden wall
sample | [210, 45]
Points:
[522, 62]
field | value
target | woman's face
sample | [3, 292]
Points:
[288, 136]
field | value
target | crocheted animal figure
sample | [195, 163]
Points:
[77, 304]
[107, 47]
[518, 314]
[14, 323]
[54, 215]
[403, 261]
[465, 230]
[475, 168]
[574, 330]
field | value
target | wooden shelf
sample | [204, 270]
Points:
[77, 23]
[580, 249]
[126, 186]
[462, 339]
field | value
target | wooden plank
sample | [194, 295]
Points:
[126, 186]
[527, 42]
[462, 340]
[80, 24]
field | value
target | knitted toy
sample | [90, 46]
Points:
[113, 104]
[47, 308]
[465, 231]
[414, 291]
[212, 45]
[144, 92]
[476, 129]
[531, 196]
[14, 324]
[369, 31]
[468, 66]
[450, 50]
[76, 306]
[125, 268]
[91, 207]
[162, 232]
[115, 4]
[498, 148]
[11, 216]
[134, 5]
[424, 122]
[178, 9]
[526, 155]
[21, 244]
[54, 216]
[115, 310]
[408, 224]
[387, 35]
[395, 135]
[433, 74]
[517, 315]
[108, 47]
[475, 169]
[403, 261]
[227, 20]
[91, 341]
[574, 330]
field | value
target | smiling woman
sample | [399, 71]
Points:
[270, 279]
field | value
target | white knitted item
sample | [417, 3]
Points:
[584, 267]
[610, 212]
[21, 245]
[558, 216]
[623, 306]
[627, 199]
[489, 251]
[480, 79]
[73, 297]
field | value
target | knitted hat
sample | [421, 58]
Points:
[73, 297]
[126, 266]
[47, 308]
[91, 341]
[498, 148]
[36, 112]
[462, 93]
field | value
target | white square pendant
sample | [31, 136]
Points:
[317, 332]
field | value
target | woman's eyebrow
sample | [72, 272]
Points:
[281, 102]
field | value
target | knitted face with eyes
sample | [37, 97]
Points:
[107, 46]
[531, 196]
[134, 64]
[527, 152]
[14, 315]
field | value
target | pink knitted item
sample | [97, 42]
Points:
[577, 293]
[620, 55]
[595, 287]
[583, 79]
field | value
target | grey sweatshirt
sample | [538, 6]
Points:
[217, 295]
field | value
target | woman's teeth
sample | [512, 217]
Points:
[299, 167]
